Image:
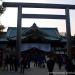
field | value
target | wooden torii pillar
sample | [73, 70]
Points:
[68, 31]
[44, 16]
[18, 42]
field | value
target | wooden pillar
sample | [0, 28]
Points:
[18, 42]
[68, 32]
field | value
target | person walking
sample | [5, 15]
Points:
[69, 66]
[59, 61]
[50, 64]
[23, 64]
[16, 63]
[6, 62]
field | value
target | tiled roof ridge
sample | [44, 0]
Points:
[29, 27]
[38, 27]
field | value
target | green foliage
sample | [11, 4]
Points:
[2, 28]
[2, 9]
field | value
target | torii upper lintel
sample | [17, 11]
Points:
[38, 5]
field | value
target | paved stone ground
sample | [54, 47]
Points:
[36, 71]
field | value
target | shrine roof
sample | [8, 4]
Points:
[48, 33]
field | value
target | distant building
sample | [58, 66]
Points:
[62, 33]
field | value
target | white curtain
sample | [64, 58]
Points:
[43, 47]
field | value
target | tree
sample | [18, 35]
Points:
[2, 9]
[2, 28]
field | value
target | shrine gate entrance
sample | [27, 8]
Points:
[41, 16]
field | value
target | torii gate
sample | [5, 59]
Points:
[44, 16]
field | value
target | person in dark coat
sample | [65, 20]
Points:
[35, 61]
[28, 61]
[6, 62]
[16, 63]
[69, 66]
[23, 64]
[50, 64]
[59, 61]
[11, 63]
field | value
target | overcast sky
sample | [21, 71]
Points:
[9, 18]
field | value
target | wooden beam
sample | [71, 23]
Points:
[43, 16]
[38, 5]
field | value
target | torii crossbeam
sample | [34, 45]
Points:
[44, 16]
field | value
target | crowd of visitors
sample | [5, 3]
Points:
[13, 63]
[60, 60]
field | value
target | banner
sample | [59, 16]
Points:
[43, 47]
